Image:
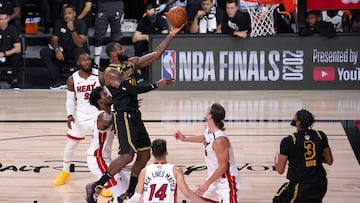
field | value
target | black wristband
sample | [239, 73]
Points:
[73, 30]
[154, 85]
[69, 116]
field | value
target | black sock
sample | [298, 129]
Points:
[104, 178]
[132, 185]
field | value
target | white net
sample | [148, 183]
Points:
[262, 18]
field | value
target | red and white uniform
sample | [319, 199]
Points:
[85, 113]
[225, 188]
[99, 158]
[160, 184]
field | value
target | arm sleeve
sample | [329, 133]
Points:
[70, 102]
[324, 139]
[225, 29]
[80, 27]
[140, 26]
[285, 146]
[138, 89]
[15, 36]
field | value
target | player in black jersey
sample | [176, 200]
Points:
[120, 79]
[306, 150]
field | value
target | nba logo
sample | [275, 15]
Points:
[168, 64]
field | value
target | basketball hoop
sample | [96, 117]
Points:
[261, 15]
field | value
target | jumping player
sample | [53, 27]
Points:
[223, 182]
[133, 138]
[81, 114]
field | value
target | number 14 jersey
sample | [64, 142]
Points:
[160, 184]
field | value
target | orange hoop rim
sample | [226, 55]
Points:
[265, 1]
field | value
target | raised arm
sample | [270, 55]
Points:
[147, 59]
[197, 138]
[86, 10]
[78, 38]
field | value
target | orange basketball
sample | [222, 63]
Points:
[177, 16]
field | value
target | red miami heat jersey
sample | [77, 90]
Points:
[101, 141]
[160, 183]
[210, 155]
[83, 88]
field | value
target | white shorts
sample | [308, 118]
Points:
[80, 127]
[117, 185]
[223, 191]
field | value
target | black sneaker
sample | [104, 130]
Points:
[91, 196]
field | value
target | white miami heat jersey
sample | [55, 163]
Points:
[101, 141]
[210, 155]
[160, 183]
[336, 20]
[83, 88]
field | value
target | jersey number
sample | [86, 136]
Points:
[160, 193]
[86, 95]
[310, 153]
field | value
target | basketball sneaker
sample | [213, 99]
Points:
[106, 193]
[62, 178]
[92, 192]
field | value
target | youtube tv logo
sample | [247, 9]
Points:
[324, 73]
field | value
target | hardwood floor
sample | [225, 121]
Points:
[33, 127]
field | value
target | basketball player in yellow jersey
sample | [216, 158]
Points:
[80, 114]
[162, 187]
[132, 135]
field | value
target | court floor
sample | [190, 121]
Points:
[33, 128]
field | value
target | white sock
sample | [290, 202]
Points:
[97, 54]
[69, 153]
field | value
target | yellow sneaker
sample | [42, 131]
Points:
[62, 178]
[106, 193]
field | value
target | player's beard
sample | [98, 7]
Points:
[123, 57]
[86, 70]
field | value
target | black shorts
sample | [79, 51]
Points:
[298, 192]
[131, 132]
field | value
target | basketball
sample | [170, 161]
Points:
[177, 16]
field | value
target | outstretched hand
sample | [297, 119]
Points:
[179, 135]
[165, 82]
[175, 30]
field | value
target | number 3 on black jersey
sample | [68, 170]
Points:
[310, 153]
